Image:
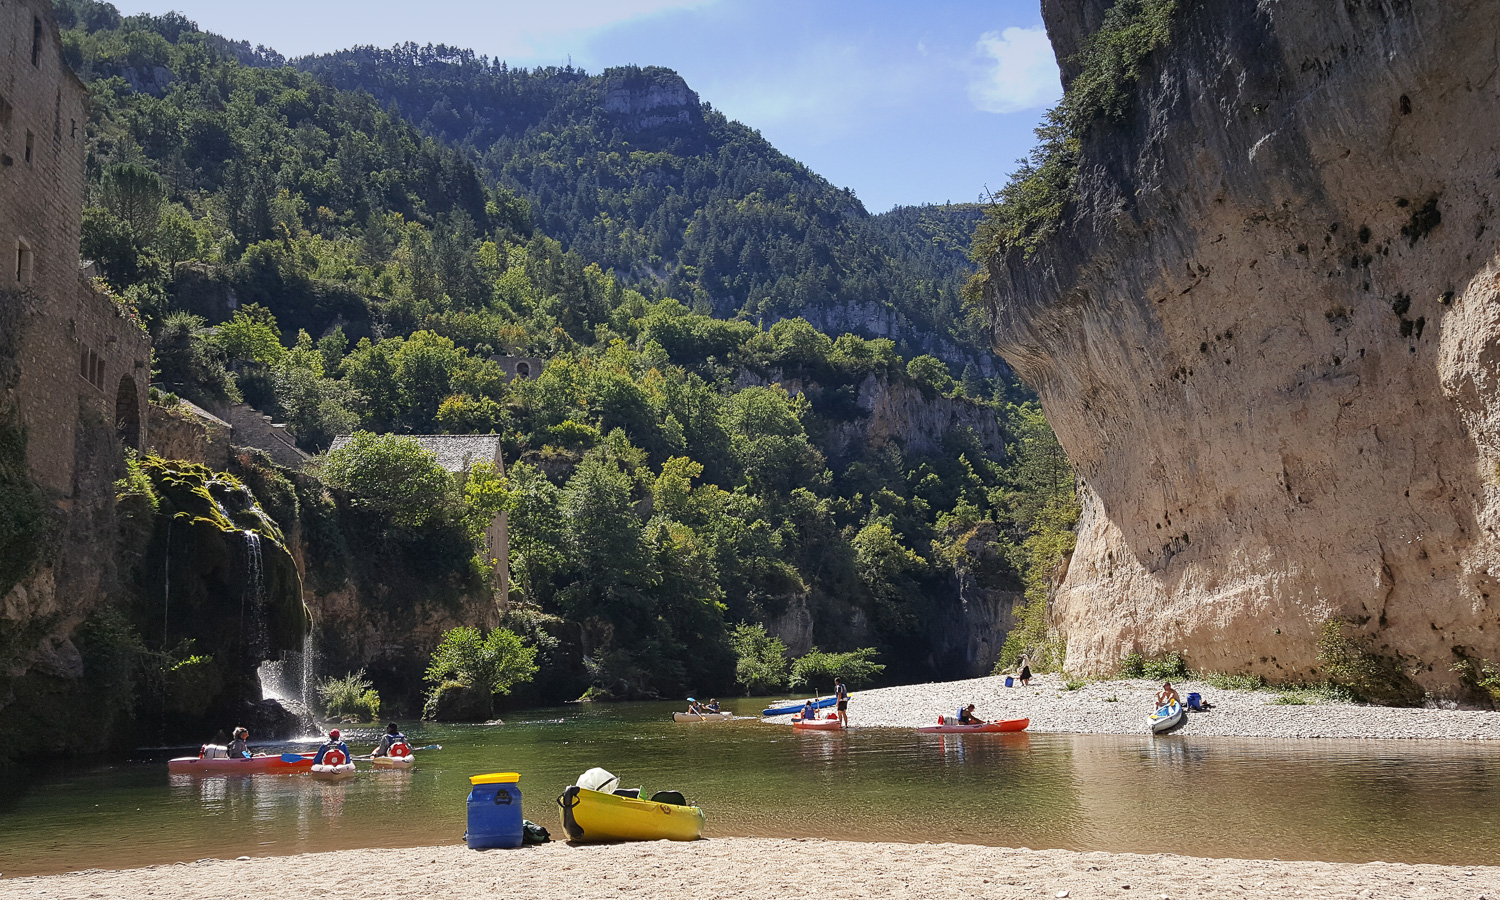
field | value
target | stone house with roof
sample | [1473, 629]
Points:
[457, 454]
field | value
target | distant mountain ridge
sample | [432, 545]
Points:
[631, 168]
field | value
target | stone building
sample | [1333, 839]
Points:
[80, 360]
[523, 367]
[457, 454]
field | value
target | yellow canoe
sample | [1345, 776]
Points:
[589, 816]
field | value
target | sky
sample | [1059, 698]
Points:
[902, 102]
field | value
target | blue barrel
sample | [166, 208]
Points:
[494, 812]
[1009, 681]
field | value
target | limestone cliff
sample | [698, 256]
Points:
[1268, 335]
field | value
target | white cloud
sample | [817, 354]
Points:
[1020, 71]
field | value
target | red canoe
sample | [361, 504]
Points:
[987, 727]
[274, 764]
[831, 723]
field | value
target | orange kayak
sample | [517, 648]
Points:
[831, 723]
[986, 728]
[255, 765]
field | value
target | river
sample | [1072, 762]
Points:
[1200, 796]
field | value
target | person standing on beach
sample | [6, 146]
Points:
[841, 693]
[1025, 673]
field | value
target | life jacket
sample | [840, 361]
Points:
[962, 720]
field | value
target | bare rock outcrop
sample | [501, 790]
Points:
[1268, 336]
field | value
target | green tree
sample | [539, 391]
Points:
[931, 373]
[857, 667]
[252, 335]
[492, 663]
[393, 477]
[760, 660]
[134, 194]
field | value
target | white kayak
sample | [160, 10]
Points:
[705, 717]
[1166, 718]
[332, 773]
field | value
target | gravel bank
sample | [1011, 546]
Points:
[1120, 707]
[737, 867]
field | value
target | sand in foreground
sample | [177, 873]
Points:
[758, 869]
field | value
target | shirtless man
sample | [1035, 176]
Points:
[1166, 695]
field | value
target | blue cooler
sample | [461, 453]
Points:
[1009, 681]
[494, 812]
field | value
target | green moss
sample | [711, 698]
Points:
[1029, 208]
[24, 520]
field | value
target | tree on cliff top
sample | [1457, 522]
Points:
[392, 476]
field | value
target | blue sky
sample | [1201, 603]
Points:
[902, 102]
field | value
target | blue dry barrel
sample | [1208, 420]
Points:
[494, 811]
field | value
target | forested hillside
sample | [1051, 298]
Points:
[632, 170]
[676, 476]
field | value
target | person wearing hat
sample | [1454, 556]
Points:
[239, 748]
[392, 736]
[333, 743]
[966, 716]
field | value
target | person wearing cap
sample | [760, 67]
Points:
[392, 735]
[966, 716]
[333, 743]
[713, 706]
[239, 748]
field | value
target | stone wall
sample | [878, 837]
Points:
[80, 353]
[253, 428]
[185, 431]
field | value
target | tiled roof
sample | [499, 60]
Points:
[454, 452]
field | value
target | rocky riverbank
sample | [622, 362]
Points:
[736, 867]
[1120, 707]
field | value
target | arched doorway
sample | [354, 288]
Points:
[523, 370]
[128, 413]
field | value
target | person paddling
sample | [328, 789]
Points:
[392, 737]
[841, 693]
[966, 716]
[333, 743]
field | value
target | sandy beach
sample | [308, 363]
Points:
[742, 867]
[1120, 707]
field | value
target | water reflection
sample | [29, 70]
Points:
[1201, 796]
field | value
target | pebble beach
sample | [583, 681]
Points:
[760, 869]
[1120, 707]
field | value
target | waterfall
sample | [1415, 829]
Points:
[258, 643]
[289, 681]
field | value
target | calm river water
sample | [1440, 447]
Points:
[1345, 800]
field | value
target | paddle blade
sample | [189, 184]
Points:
[292, 758]
[431, 747]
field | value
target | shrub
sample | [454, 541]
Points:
[351, 698]
[24, 521]
[1156, 668]
[1073, 684]
[392, 476]
[1480, 677]
[1369, 676]
[857, 668]
[492, 663]
[760, 660]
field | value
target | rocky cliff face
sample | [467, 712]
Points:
[1268, 336]
[650, 98]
